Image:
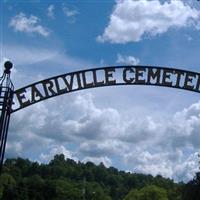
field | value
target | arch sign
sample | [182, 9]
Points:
[12, 101]
[106, 76]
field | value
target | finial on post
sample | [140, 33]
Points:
[5, 79]
[7, 65]
[6, 100]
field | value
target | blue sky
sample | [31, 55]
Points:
[139, 129]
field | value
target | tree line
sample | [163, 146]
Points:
[66, 179]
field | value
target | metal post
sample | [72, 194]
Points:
[6, 99]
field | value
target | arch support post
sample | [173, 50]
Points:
[6, 99]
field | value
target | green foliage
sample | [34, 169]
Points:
[192, 189]
[7, 186]
[147, 193]
[65, 179]
[95, 191]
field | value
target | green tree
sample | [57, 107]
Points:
[35, 186]
[147, 193]
[7, 187]
[95, 192]
[62, 179]
[66, 191]
[58, 160]
[192, 189]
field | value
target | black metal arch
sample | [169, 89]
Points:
[85, 79]
[105, 76]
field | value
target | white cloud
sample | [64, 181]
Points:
[56, 150]
[186, 169]
[127, 60]
[189, 38]
[70, 14]
[97, 160]
[22, 23]
[50, 11]
[165, 153]
[143, 145]
[36, 63]
[46, 58]
[131, 20]
[147, 162]
[168, 164]
[21, 55]
[141, 130]
[107, 147]
[184, 127]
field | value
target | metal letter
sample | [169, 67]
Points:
[126, 80]
[178, 78]
[153, 75]
[166, 75]
[35, 93]
[109, 74]
[139, 73]
[96, 83]
[20, 96]
[48, 87]
[85, 84]
[70, 83]
[188, 79]
[144, 75]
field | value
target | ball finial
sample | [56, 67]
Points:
[7, 65]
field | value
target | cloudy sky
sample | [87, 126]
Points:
[135, 128]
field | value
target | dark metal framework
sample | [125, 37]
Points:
[143, 75]
[85, 79]
[6, 96]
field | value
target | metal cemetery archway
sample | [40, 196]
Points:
[12, 101]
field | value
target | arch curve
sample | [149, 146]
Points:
[105, 76]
